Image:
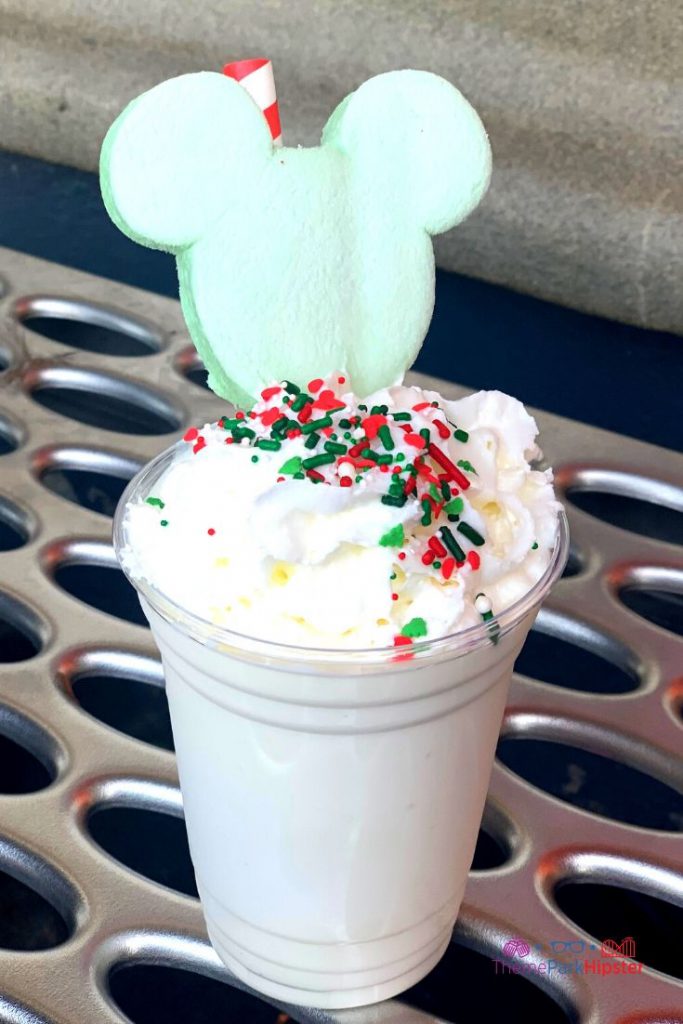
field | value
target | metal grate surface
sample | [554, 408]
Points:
[81, 415]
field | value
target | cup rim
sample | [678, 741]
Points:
[208, 633]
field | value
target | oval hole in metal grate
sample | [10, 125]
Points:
[31, 919]
[102, 400]
[661, 607]
[103, 587]
[575, 563]
[90, 477]
[595, 783]
[88, 326]
[132, 705]
[10, 436]
[465, 987]
[12, 1012]
[28, 754]
[496, 841]
[152, 843]
[15, 525]
[22, 634]
[568, 653]
[611, 912]
[154, 994]
[652, 508]
[189, 365]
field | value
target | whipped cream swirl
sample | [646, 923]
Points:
[321, 519]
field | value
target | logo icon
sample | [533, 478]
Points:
[516, 947]
[627, 947]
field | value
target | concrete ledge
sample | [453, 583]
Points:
[583, 104]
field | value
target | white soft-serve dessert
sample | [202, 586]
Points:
[324, 520]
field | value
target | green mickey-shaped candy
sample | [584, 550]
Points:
[294, 262]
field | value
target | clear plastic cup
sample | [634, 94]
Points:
[332, 797]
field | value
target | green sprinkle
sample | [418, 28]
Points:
[455, 507]
[335, 448]
[384, 460]
[358, 479]
[467, 466]
[311, 441]
[452, 544]
[293, 389]
[437, 564]
[385, 437]
[435, 492]
[402, 417]
[461, 435]
[300, 401]
[254, 458]
[317, 460]
[292, 466]
[396, 486]
[308, 428]
[380, 410]
[398, 501]
[445, 491]
[534, 546]
[279, 426]
[240, 432]
[415, 628]
[299, 476]
[228, 424]
[453, 519]
[368, 453]
[400, 457]
[393, 538]
[393, 576]
[347, 435]
[160, 504]
[163, 522]
[345, 424]
[426, 434]
[427, 512]
[268, 446]
[363, 408]
[468, 531]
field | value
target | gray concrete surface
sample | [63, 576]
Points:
[583, 100]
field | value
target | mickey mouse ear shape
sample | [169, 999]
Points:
[174, 159]
[414, 134]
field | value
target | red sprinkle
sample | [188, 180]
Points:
[358, 448]
[190, 434]
[294, 432]
[315, 384]
[328, 401]
[270, 415]
[211, 531]
[200, 443]
[402, 641]
[437, 547]
[239, 415]
[269, 393]
[428, 557]
[252, 415]
[305, 414]
[446, 464]
[280, 480]
[401, 555]
[230, 440]
[371, 425]
[384, 469]
[448, 567]
[341, 380]
[394, 597]
[345, 481]
[396, 469]
[443, 429]
[414, 440]
[409, 485]
[313, 474]
[420, 406]
[474, 559]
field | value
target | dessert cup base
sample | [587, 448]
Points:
[328, 990]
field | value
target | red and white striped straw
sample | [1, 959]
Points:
[256, 76]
